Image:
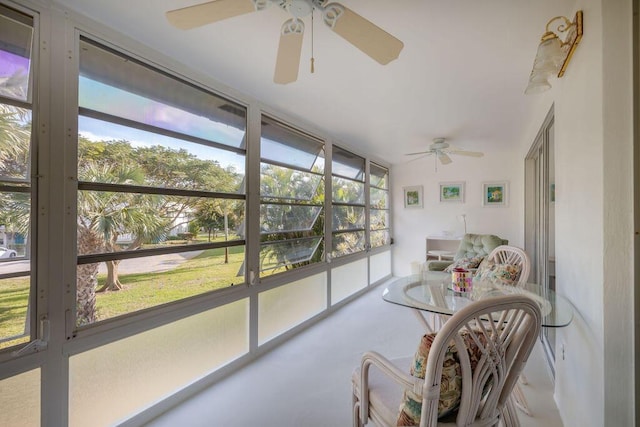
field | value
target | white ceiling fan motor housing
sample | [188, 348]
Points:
[299, 8]
[439, 144]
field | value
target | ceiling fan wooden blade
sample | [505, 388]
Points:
[209, 12]
[289, 51]
[419, 157]
[467, 153]
[419, 152]
[444, 158]
[362, 33]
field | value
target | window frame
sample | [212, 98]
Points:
[72, 328]
[272, 120]
[362, 181]
[32, 185]
[387, 209]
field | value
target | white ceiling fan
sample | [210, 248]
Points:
[442, 149]
[363, 34]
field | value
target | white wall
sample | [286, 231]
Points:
[412, 225]
[594, 229]
[594, 208]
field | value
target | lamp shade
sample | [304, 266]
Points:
[538, 82]
[549, 57]
[537, 87]
[551, 49]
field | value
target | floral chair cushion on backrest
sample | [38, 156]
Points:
[502, 274]
[451, 380]
[467, 263]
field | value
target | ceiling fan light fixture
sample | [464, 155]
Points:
[440, 143]
[442, 150]
[554, 52]
[299, 8]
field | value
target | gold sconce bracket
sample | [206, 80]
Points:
[574, 35]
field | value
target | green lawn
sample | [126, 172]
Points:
[14, 296]
[204, 273]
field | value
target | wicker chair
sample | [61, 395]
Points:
[513, 255]
[504, 330]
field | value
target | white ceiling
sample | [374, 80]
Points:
[461, 74]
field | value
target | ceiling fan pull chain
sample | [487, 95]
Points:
[312, 58]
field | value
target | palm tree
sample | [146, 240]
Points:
[288, 186]
[15, 127]
[15, 137]
[104, 216]
[15, 206]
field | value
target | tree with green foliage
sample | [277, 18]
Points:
[292, 191]
[209, 217]
[147, 218]
[15, 137]
[346, 217]
[110, 214]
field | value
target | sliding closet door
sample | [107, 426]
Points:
[540, 217]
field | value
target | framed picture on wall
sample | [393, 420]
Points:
[452, 191]
[495, 193]
[413, 196]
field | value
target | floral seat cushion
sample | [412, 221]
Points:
[451, 380]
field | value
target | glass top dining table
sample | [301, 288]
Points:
[433, 292]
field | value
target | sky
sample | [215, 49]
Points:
[110, 100]
[98, 130]
[14, 75]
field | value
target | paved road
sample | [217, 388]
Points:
[13, 266]
[135, 265]
[156, 263]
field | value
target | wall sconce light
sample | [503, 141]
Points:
[554, 52]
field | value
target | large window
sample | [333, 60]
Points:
[291, 198]
[148, 206]
[379, 205]
[348, 203]
[161, 200]
[16, 187]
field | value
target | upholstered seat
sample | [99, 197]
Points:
[471, 246]
[385, 393]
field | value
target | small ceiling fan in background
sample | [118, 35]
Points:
[363, 34]
[442, 150]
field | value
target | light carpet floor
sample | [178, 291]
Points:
[307, 380]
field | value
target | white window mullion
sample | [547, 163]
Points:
[253, 218]
[58, 136]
